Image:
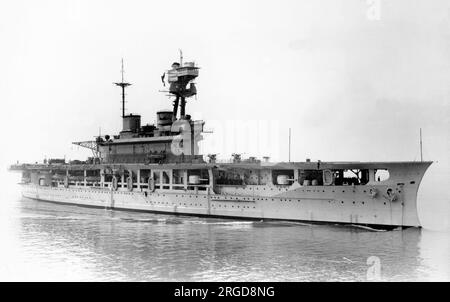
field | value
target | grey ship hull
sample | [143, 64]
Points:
[317, 204]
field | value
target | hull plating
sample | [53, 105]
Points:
[352, 205]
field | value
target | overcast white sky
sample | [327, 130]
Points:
[354, 79]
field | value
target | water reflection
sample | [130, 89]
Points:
[435, 254]
[57, 242]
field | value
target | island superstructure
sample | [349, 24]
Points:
[158, 168]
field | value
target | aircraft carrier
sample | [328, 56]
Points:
[158, 168]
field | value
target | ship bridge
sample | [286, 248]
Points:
[170, 139]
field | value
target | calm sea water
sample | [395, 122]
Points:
[48, 242]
